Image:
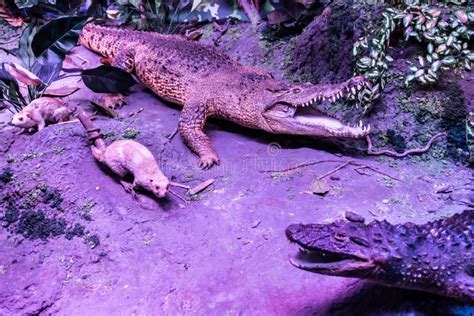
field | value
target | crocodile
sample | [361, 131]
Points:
[208, 83]
[435, 257]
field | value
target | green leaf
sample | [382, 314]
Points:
[421, 60]
[407, 19]
[55, 39]
[107, 79]
[410, 78]
[196, 4]
[419, 73]
[430, 48]
[449, 60]
[21, 4]
[25, 54]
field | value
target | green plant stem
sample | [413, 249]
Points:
[70, 76]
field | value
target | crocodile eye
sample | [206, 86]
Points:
[297, 90]
[340, 237]
[20, 118]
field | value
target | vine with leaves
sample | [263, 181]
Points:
[443, 30]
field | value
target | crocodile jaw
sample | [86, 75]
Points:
[322, 262]
[302, 120]
[291, 111]
[322, 250]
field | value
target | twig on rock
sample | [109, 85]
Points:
[180, 185]
[170, 136]
[335, 169]
[302, 165]
[201, 186]
[376, 170]
[131, 114]
[178, 196]
[391, 153]
[343, 165]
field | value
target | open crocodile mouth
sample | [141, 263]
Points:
[326, 262]
[306, 119]
[349, 89]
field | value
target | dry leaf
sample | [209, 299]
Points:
[22, 75]
[60, 91]
[320, 187]
[110, 112]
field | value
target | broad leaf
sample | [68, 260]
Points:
[55, 39]
[107, 79]
[47, 72]
[25, 54]
[22, 75]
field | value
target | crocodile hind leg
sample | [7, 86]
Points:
[190, 126]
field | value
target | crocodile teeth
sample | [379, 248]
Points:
[353, 90]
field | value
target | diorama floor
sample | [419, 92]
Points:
[224, 252]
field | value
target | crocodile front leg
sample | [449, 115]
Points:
[125, 60]
[190, 126]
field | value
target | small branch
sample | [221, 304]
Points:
[378, 171]
[178, 196]
[302, 165]
[391, 153]
[343, 165]
[173, 134]
[335, 169]
[201, 187]
[180, 185]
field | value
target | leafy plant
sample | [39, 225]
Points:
[290, 12]
[41, 52]
[443, 31]
[470, 137]
[169, 16]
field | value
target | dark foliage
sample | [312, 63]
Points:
[107, 79]
[6, 175]
[34, 225]
[52, 41]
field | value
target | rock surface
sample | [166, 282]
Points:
[224, 252]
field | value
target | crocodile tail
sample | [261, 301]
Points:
[100, 39]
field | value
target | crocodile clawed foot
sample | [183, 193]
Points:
[128, 187]
[207, 161]
[113, 101]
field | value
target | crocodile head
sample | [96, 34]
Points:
[342, 248]
[290, 109]
[434, 257]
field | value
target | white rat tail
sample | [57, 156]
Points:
[92, 131]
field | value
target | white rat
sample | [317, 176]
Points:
[125, 157]
[39, 112]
